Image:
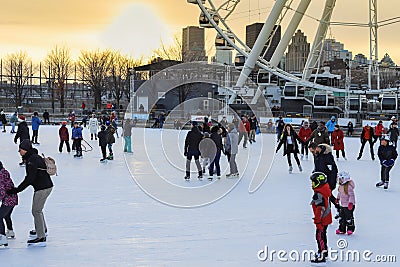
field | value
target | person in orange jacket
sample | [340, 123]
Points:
[338, 141]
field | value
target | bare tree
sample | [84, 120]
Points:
[171, 52]
[57, 67]
[18, 69]
[94, 67]
[119, 75]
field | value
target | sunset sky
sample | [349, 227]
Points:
[136, 27]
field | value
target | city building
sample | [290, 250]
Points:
[360, 60]
[334, 50]
[193, 44]
[252, 32]
[298, 52]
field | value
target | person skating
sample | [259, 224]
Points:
[77, 140]
[379, 131]
[216, 137]
[320, 135]
[304, 134]
[13, 121]
[35, 127]
[127, 133]
[393, 133]
[244, 128]
[338, 141]
[36, 176]
[387, 155]
[64, 137]
[330, 125]
[367, 135]
[208, 151]
[22, 134]
[8, 202]
[3, 120]
[191, 149]
[322, 214]
[93, 127]
[280, 125]
[110, 140]
[289, 140]
[347, 201]
[253, 127]
[103, 135]
[324, 162]
[46, 117]
[350, 129]
[232, 148]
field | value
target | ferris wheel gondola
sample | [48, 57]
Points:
[205, 22]
[222, 44]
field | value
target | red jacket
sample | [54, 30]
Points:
[321, 206]
[337, 139]
[304, 133]
[63, 133]
[379, 130]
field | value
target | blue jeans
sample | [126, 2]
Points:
[216, 162]
[127, 145]
[13, 127]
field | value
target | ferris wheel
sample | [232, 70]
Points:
[215, 14]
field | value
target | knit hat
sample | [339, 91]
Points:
[25, 145]
[22, 117]
[194, 123]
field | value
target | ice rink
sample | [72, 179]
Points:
[97, 215]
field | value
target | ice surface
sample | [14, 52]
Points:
[98, 216]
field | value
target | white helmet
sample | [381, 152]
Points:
[344, 176]
[393, 118]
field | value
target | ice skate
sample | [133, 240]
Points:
[306, 157]
[22, 164]
[379, 184]
[290, 169]
[3, 241]
[319, 260]
[200, 177]
[187, 178]
[301, 156]
[338, 232]
[10, 234]
[103, 160]
[32, 234]
[37, 242]
[232, 175]
[300, 168]
[111, 156]
[349, 232]
[386, 185]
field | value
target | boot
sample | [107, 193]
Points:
[187, 176]
[378, 184]
[386, 185]
[200, 177]
[3, 241]
[10, 234]
[300, 168]
[290, 169]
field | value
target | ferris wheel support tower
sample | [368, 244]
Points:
[373, 44]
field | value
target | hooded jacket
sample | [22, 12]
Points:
[324, 162]
[321, 206]
[344, 198]
[193, 139]
[22, 132]
[36, 174]
[35, 123]
[63, 133]
[330, 125]
[6, 184]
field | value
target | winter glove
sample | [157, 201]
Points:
[185, 153]
[12, 191]
[350, 206]
[390, 162]
[385, 163]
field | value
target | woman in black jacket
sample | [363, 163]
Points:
[216, 137]
[289, 140]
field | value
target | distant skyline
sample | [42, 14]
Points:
[136, 27]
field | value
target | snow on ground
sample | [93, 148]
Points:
[98, 216]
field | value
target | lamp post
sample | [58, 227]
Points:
[131, 73]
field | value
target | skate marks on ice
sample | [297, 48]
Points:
[158, 167]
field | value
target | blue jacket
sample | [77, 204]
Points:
[77, 133]
[35, 123]
[330, 125]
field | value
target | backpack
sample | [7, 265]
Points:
[51, 167]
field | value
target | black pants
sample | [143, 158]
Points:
[322, 242]
[289, 160]
[371, 148]
[35, 136]
[66, 144]
[385, 173]
[343, 153]
[104, 151]
[394, 142]
[78, 146]
[346, 221]
[46, 120]
[5, 213]
[304, 149]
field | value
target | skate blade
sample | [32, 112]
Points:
[3, 245]
[40, 244]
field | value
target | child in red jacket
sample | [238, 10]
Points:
[322, 213]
